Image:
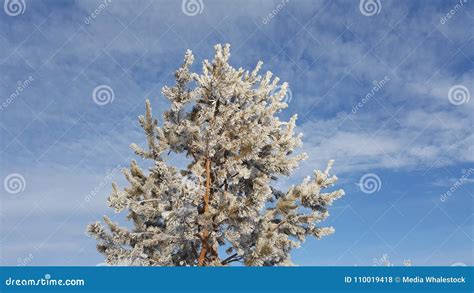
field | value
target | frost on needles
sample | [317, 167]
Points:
[222, 208]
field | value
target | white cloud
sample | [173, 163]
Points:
[423, 140]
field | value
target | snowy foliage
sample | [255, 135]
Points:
[225, 120]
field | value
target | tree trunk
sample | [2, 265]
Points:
[202, 260]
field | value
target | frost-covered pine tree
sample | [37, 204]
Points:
[222, 208]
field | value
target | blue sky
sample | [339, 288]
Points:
[412, 134]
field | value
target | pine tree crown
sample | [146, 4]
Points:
[226, 121]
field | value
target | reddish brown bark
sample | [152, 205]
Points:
[202, 259]
[208, 185]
